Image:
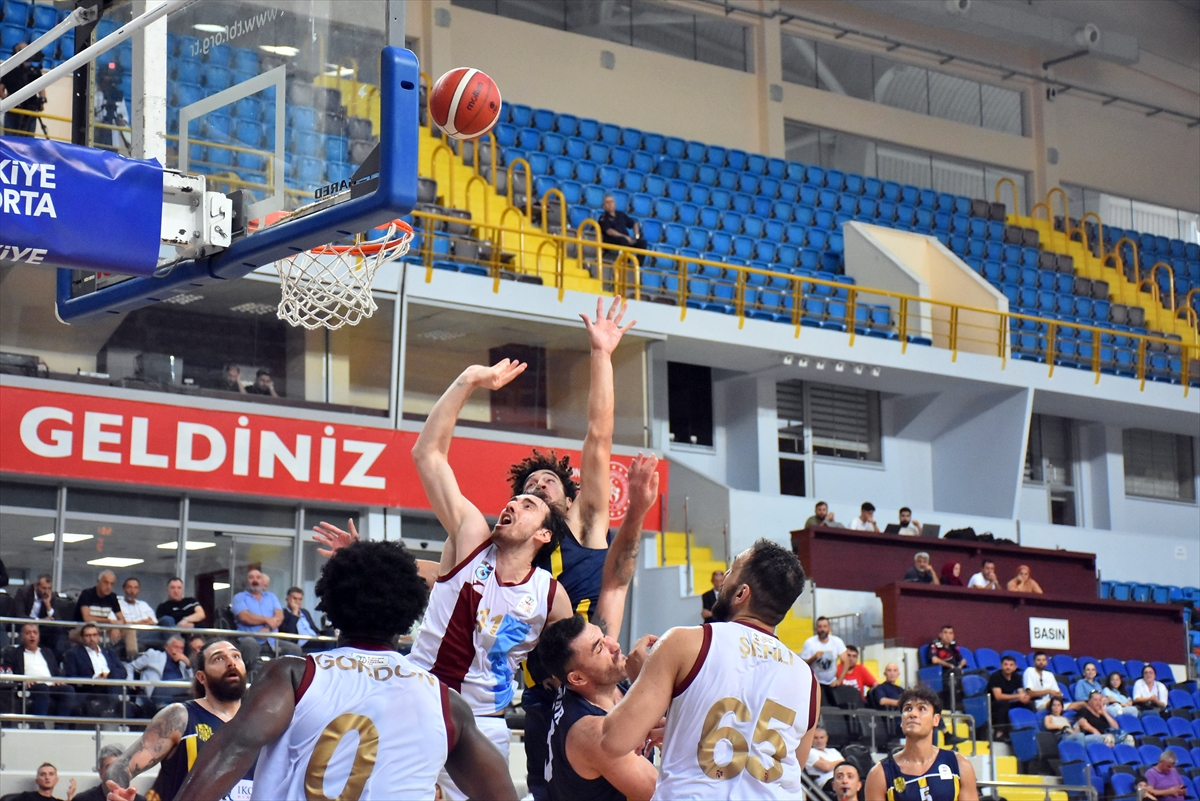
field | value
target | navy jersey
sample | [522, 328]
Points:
[201, 725]
[563, 782]
[579, 571]
[940, 783]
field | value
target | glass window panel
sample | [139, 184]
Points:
[128, 549]
[901, 85]
[361, 361]
[1149, 218]
[723, 43]
[799, 60]
[28, 552]
[847, 152]
[802, 143]
[240, 513]
[664, 29]
[952, 98]
[844, 72]
[956, 178]
[904, 166]
[551, 13]
[128, 504]
[1189, 226]
[34, 496]
[1002, 110]
[423, 534]
[609, 20]
[272, 555]
[209, 555]
[1116, 211]
[1159, 465]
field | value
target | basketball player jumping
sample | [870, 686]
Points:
[178, 732]
[731, 691]
[408, 724]
[921, 771]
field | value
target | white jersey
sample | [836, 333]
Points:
[737, 719]
[400, 716]
[477, 630]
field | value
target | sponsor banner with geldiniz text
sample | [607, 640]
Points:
[68, 436]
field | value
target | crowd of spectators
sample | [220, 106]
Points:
[53, 653]
[865, 521]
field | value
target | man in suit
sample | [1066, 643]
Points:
[30, 659]
[90, 660]
[37, 601]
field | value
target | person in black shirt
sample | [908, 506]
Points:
[178, 611]
[100, 604]
[23, 75]
[47, 779]
[618, 228]
[1006, 689]
[263, 384]
[921, 572]
[709, 599]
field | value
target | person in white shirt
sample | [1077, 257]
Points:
[822, 760]
[865, 520]
[1149, 694]
[826, 654]
[908, 526]
[1040, 682]
[169, 664]
[139, 612]
[985, 579]
[30, 659]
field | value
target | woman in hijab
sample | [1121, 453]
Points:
[951, 575]
[1024, 582]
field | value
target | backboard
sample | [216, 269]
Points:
[280, 103]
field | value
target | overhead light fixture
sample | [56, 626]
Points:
[67, 538]
[220, 585]
[858, 369]
[287, 51]
[209, 27]
[802, 361]
[250, 307]
[787, 359]
[821, 365]
[115, 561]
[840, 366]
[190, 546]
[334, 70]
[875, 371]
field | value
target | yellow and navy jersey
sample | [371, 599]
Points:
[579, 570]
[201, 725]
[940, 783]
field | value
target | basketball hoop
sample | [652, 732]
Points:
[330, 286]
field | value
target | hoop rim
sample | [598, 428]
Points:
[370, 248]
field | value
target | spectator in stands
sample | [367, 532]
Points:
[195, 644]
[1007, 692]
[169, 664]
[618, 228]
[21, 76]
[1040, 683]
[921, 572]
[36, 600]
[1057, 723]
[825, 653]
[1163, 782]
[1149, 694]
[847, 784]
[1088, 684]
[256, 608]
[296, 619]
[31, 659]
[47, 778]
[1114, 694]
[108, 755]
[231, 379]
[821, 758]
[952, 574]
[263, 384]
[865, 520]
[857, 675]
[821, 516]
[944, 653]
[90, 660]
[886, 694]
[985, 579]
[178, 611]
[1097, 726]
[100, 604]
[908, 526]
[137, 612]
[1024, 582]
[709, 599]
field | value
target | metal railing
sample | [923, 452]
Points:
[17, 622]
[848, 626]
[1087, 789]
[873, 716]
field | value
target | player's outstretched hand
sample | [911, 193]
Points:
[496, 376]
[605, 331]
[643, 483]
[333, 538]
[116, 793]
[637, 657]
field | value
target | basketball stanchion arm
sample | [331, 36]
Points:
[80, 16]
[394, 196]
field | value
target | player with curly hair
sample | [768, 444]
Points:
[408, 724]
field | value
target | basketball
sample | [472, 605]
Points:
[465, 103]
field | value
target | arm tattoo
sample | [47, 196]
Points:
[152, 747]
[601, 624]
[627, 560]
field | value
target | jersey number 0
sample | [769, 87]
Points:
[327, 743]
[714, 733]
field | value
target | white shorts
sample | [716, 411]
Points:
[493, 728]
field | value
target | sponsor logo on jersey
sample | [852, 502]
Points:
[526, 606]
[483, 572]
[945, 772]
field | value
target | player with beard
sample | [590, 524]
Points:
[178, 732]
[921, 771]
[593, 673]
[301, 713]
[730, 690]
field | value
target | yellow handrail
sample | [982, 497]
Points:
[1170, 282]
[1066, 209]
[1155, 296]
[562, 201]
[512, 165]
[1099, 232]
[1049, 216]
[477, 180]
[437, 149]
[1016, 198]
[1124, 281]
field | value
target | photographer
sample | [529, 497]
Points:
[110, 109]
[16, 124]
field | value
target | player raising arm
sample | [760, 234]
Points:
[730, 682]
[408, 724]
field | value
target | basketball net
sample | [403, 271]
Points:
[330, 286]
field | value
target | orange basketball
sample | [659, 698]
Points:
[465, 103]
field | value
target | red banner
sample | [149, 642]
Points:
[63, 435]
